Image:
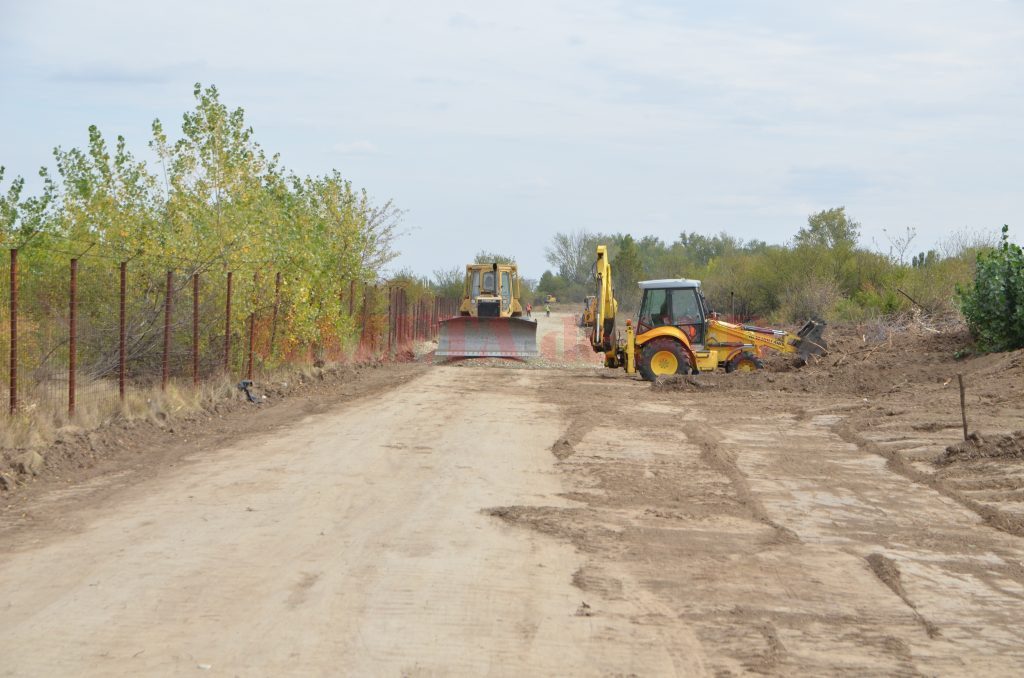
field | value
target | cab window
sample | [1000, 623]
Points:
[474, 286]
[686, 314]
[685, 308]
[654, 311]
[488, 286]
[506, 289]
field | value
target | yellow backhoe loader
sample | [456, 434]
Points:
[675, 334]
[589, 311]
[490, 322]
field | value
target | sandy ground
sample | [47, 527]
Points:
[560, 521]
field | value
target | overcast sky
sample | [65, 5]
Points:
[496, 124]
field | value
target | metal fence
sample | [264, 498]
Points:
[107, 328]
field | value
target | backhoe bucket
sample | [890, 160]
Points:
[467, 337]
[810, 341]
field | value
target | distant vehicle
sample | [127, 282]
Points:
[490, 322]
[589, 311]
[550, 299]
[676, 334]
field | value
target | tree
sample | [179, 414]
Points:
[627, 268]
[829, 228]
[573, 254]
[485, 257]
[701, 249]
[550, 283]
[448, 282]
[994, 305]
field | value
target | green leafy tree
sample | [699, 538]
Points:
[830, 228]
[627, 269]
[994, 305]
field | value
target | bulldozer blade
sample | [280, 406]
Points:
[810, 341]
[467, 337]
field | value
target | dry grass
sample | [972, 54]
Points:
[43, 414]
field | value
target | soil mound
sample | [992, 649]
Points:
[680, 382]
[992, 447]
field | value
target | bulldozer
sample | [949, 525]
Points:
[676, 334]
[490, 322]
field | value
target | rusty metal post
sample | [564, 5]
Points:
[363, 335]
[121, 338]
[72, 336]
[195, 329]
[391, 318]
[164, 363]
[273, 317]
[252, 326]
[14, 332]
[227, 328]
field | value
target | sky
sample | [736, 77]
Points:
[496, 124]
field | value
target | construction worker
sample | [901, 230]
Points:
[547, 309]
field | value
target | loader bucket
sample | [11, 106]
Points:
[467, 337]
[810, 341]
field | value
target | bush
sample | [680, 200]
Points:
[994, 305]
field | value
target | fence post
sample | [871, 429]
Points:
[252, 325]
[195, 329]
[72, 336]
[14, 332]
[164, 363]
[391, 311]
[273, 320]
[227, 328]
[121, 339]
[363, 334]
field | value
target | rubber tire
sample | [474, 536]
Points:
[744, 362]
[651, 348]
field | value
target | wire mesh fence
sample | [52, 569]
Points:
[105, 331]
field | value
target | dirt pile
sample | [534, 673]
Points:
[977, 447]
[681, 382]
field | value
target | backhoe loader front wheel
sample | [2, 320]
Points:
[664, 356]
[744, 362]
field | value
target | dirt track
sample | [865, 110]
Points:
[481, 520]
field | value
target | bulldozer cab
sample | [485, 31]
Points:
[678, 303]
[490, 290]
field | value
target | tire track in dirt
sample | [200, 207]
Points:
[723, 460]
[897, 463]
[888, 572]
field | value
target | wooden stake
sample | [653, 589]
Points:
[963, 408]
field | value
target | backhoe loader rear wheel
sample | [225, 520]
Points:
[664, 356]
[744, 362]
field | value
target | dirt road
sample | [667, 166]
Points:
[480, 520]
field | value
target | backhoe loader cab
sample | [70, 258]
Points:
[678, 303]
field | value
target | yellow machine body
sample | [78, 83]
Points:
[675, 333]
[589, 311]
[490, 322]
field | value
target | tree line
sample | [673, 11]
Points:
[209, 201]
[824, 271]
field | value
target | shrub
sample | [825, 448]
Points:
[994, 305]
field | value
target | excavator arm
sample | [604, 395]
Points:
[603, 337]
